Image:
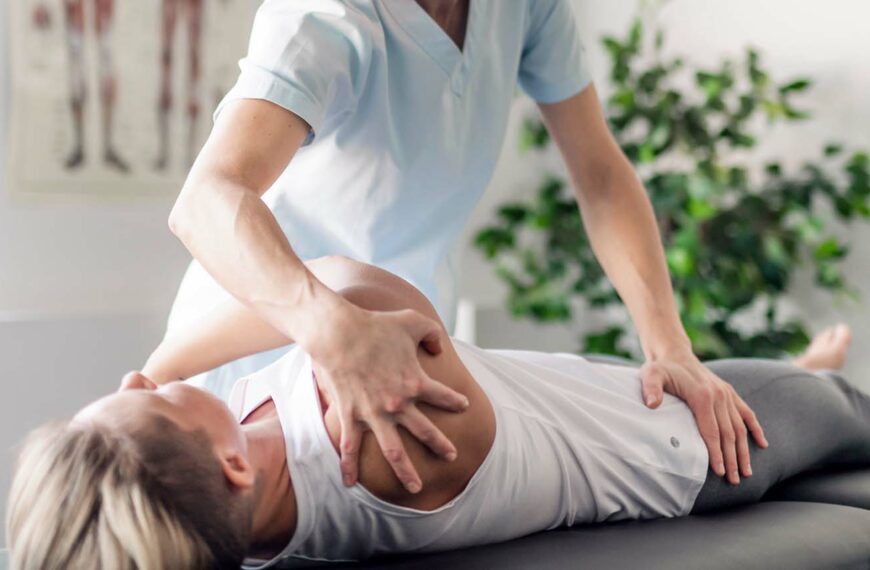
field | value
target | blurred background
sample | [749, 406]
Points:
[86, 282]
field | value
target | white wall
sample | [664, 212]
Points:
[82, 256]
[84, 290]
[827, 41]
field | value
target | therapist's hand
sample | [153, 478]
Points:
[369, 367]
[724, 419]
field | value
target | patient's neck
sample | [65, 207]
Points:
[274, 519]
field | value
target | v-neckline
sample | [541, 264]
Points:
[430, 36]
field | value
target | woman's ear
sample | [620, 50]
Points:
[237, 470]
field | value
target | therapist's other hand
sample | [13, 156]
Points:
[371, 371]
[724, 419]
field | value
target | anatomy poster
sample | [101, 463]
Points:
[115, 97]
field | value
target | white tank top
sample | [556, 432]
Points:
[574, 443]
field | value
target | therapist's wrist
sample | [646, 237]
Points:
[319, 318]
[667, 344]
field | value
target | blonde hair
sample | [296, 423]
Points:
[85, 496]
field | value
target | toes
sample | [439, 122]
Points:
[844, 332]
[822, 339]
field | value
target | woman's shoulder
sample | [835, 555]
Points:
[472, 433]
[371, 287]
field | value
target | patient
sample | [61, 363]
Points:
[171, 477]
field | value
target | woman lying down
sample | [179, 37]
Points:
[172, 478]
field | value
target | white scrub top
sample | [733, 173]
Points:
[405, 128]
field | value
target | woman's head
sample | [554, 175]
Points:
[140, 479]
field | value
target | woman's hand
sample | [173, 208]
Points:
[724, 419]
[135, 380]
[369, 367]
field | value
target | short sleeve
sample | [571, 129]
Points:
[553, 64]
[307, 56]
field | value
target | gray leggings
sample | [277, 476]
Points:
[811, 420]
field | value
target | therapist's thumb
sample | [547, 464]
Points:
[425, 331]
[652, 382]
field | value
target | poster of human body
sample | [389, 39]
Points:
[114, 97]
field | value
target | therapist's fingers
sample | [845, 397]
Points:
[428, 433]
[440, 395]
[394, 451]
[351, 439]
[708, 427]
[425, 331]
[751, 421]
[741, 435]
[728, 441]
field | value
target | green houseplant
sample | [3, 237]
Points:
[734, 235]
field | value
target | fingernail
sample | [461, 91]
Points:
[413, 487]
[720, 469]
[465, 403]
[348, 481]
[650, 399]
[749, 470]
[451, 456]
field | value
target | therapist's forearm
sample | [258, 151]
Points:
[619, 220]
[622, 229]
[222, 220]
[234, 235]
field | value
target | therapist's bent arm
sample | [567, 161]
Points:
[369, 357]
[622, 229]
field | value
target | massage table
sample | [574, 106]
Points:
[817, 521]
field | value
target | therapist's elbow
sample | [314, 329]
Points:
[181, 217]
[612, 179]
[175, 222]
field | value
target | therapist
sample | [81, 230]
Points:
[370, 128]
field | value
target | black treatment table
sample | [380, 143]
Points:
[814, 522]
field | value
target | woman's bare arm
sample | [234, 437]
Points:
[229, 332]
[233, 330]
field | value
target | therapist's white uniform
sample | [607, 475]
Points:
[405, 129]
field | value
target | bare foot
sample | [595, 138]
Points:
[827, 350]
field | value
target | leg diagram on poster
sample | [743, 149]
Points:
[88, 76]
